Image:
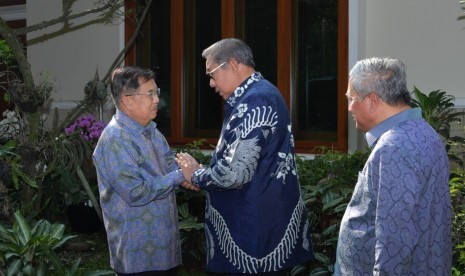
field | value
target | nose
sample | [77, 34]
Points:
[212, 83]
[155, 98]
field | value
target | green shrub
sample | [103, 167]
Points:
[31, 251]
[191, 210]
[457, 192]
[327, 183]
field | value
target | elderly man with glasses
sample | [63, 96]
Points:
[137, 177]
[255, 220]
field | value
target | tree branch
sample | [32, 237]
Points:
[108, 9]
[130, 42]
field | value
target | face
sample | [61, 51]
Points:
[220, 78]
[360, 109]
[143, 107]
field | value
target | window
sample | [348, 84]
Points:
[317, 68]
[299, 45]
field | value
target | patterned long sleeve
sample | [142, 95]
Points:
[255, 219]
[398, 221]
[137, 176]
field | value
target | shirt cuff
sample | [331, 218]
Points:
[196, 176]
[178, 178]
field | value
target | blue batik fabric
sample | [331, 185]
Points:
[256, 220]
[398, 221]
[137, 176]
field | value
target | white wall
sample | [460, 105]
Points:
[426, 34]
[71, 59]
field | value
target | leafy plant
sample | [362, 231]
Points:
[8, 155]
[327, 183]
[457, 192]
[5, 52]
[31, 251]
[437, 110]
[195, 149]
[192, 235]
[37, 171]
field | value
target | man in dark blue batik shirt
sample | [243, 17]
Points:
[256, 221]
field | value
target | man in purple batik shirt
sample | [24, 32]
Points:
[137, 177]
[398, 221]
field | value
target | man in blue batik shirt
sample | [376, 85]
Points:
[137, 177]
[398, 221]
[255, 219]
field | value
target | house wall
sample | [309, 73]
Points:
[426, 34]
[72, 59]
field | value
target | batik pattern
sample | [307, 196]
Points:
[246, 263]
[398, 221]
[255, 219]
[137, 176]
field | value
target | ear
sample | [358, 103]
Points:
[375, 101]
[126, 103]
[233, 64]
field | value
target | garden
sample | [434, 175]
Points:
[38, 236]
[50, 219]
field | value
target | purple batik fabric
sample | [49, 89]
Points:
[137, 176]
[398, 221]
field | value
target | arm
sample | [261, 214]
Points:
[239, 150]
[397, 192]
[135, 172]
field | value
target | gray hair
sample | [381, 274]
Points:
[128, 79]
[384, 76]
[229, 48]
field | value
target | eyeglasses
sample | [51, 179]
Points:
[210, 74]
[351, 100]
[150, 94]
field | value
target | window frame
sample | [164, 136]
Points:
[286, 69]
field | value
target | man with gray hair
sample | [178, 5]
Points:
[137, 178]
[398, 221]
[255, 218]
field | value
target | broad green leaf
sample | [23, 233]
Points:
[321, 257]
[24, 228]
[62, 241]
[57, 231]
[319, 272]
[14, 268]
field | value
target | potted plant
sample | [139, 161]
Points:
[80, 186]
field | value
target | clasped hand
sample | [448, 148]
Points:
[188, 165]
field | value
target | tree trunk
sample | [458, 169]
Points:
[23, 91]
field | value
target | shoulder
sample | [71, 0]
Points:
[410, 137]
[263, 92]
[114, 135]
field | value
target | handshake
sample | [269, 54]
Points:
[188, 165]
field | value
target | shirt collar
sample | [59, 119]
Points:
[243, 87]
[130, 123]
[373, 135]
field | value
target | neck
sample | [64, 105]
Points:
[389, 111]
